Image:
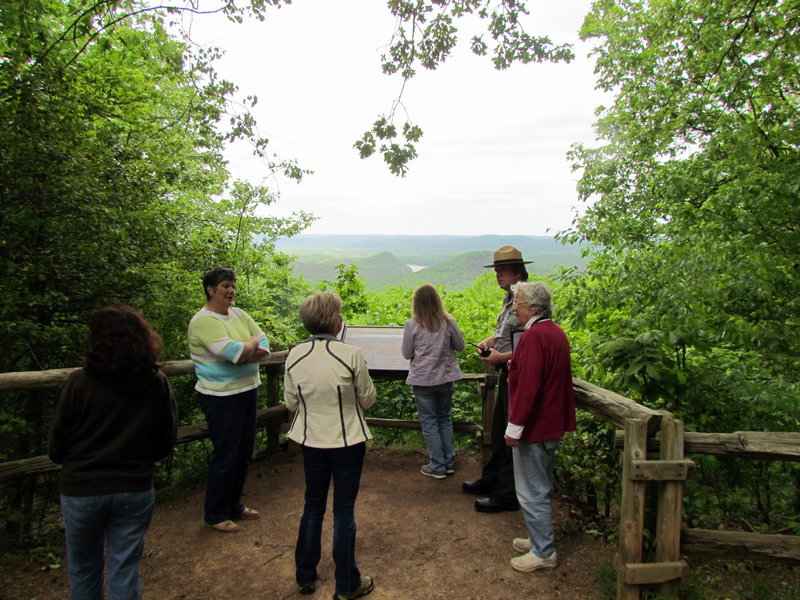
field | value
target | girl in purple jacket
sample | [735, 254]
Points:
[430, 339]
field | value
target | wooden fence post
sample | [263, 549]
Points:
[670, 505]
[488, 393]
[632, 507]
[273, 393]
[668, 473]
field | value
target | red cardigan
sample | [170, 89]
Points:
[540, 384]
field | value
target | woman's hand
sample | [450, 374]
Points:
[258, 354]
[251, 350]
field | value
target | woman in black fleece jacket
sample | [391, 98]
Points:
[113, 420]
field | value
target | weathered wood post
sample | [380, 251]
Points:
[669, 471]
[488, 393]
[273, 399]
[632, 507]
[670, 507]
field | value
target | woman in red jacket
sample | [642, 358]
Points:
[541, 408]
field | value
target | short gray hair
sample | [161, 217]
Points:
[321, 312]
[537, 295]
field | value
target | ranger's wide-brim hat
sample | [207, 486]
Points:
[507, 255]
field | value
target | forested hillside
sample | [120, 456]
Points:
[451, 261]
[420, 249]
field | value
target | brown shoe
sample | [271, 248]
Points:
[248, 513]
[367, 585]
[527, 563]
[225, 527]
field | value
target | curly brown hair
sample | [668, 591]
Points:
[121, 341]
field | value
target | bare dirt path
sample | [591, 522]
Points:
[418, 537]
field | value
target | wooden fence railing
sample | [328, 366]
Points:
[272, 418]
[784, 446]
[654, 447]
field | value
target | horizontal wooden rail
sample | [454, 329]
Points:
[768, 445]
[785, 547]
[53, 378]
[458, 426]
[273, 365]
[661, 470]
[189, 433]
[650, 573]
[611, 407]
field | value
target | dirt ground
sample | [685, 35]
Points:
[418, 537]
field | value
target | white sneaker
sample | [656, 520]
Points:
[522, 545]
[530, 562]
[428, 470]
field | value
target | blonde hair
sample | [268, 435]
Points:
[321, 312]
[428, 308]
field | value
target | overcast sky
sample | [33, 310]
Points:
[493, 156]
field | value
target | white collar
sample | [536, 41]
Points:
[534, 319]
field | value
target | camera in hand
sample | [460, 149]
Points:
[484, 352]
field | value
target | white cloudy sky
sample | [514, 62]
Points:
[492, 159]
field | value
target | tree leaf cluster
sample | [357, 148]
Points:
[691, 298]
[112, 180]
[425, 35]
[693, 195]
[113, 187]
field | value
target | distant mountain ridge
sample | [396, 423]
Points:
[452, 261]
[407, 247]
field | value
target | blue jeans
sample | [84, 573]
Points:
[343, 465]
[232, 429]
[433, 406]
[533, 478]
[120, 521]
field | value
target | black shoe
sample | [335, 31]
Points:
[479, 486]
[495, 505]
[306, 589]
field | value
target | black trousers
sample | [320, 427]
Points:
[499, 470]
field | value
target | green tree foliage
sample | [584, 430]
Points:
[425, 36]
[111, 171]
[696, 212]
[692, 296]
[351, 290]
[113, 187]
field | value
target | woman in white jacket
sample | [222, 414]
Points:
[430, 339]
[328, 386]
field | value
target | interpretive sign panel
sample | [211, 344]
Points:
[380, 345]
